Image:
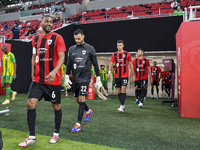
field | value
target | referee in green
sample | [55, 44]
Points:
[8, 73]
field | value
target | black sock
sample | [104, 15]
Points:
[139, 94]
[136, 94]
[119, 96]
[157, 90]
[31, 116]
[81, 111]
[123, 97]
[152, 90]
[162, 88]
[145, 92]
[86, 107]
[169, 94]
[166, 91]
[142, 94]
[58, 118]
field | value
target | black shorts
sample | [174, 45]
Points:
[141, 83]
[48, 92]
[80, 89]
[119, 82]
[156, 83]
[168, 86]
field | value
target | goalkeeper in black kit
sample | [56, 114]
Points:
[80, 58]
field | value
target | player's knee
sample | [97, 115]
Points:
[77, 99]
[81, 98]
[30, 105]
[56, 107]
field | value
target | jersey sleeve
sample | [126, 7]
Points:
[133, 62]
[68, 66]
[129, 57]
[112, 58]
[94, 61]
[64, 67]
[12, 58]
[159, 70]
[148, 65]
[33, 45]
[60, 44]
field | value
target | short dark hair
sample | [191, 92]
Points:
[155, 62]
[78, 31]
[29, 27]
[141, 49]
[46, 16]
[102, 65]
[120, 41]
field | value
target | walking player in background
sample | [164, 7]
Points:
[163, 74]
[142, 68]
[8, 73]
[80, 59]
[63, 72]
[48, 56]
[122, 60]
[104, 76]
[156, 75]
[168, 83]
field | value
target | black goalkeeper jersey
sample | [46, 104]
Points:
[80, 59]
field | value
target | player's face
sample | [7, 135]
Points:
[136, 55]
[4, 49]
[154, 64]
[140, 53]
[79, 39]
[47, 24]
[120, 46]
[102, 67]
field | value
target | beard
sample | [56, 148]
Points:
[45, 29]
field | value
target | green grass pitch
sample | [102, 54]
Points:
[154, 127]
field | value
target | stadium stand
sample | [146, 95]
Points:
[147, 10]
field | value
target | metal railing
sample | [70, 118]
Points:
[191, 15]
[2, 39]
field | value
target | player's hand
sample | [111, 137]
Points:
[98, 82]
[14, 76]
[151, 80]
[50, 77]
[109, 74]
[68, 83]
[133, 78]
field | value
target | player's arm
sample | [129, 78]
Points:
[53, 73]
[32, 64]
[150, 75]
[15, 70]
[110, 69]
[132, 71]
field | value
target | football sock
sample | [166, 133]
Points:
[81, 111]
[162, 88]
[8, 92]
[86, 107]
[139, 94]
[123, 97]
[157, 90]
[142, 94]
[169, 94]
[146, 92]
[58, 118]
[152, 91]
[119, 96]
[136, 94]
[113, 88]
[31, 116]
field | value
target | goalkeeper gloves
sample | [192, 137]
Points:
[68, 83]
[98, 82]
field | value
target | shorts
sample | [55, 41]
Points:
[141, 83]
[119, 82]
[80, 89]
[6, 79]
[156, 83]
[168, 86]
[104, 82]
[48, 92]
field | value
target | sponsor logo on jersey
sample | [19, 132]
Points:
[36, 59]
[84, 52]
[49, 42]
[78, 59]
[46, 59]
[75, 66]
[42, 50]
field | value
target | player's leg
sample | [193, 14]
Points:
[146, 91]
[157, 89]
[3, 85]
[124, 82]
[58, 118]
[8, 92]
[106, 85]
[152, 90]
[169, 91]
[166, 88]
[34, 95]
[162, 87]
[143, 84]
[136, 95]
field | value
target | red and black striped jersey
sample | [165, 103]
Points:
[46, 49]
[163, 74]
[141, 68]
[121, 61]
[155, 71]
[168, 78]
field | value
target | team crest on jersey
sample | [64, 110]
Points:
[49, 42]
[84, 51]
[117, 65]
[124, 55]
[143, 62]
